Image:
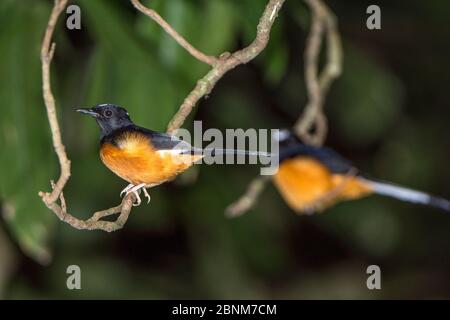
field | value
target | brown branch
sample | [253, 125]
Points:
[174, 34]
[47, 52]
[228, 61]
[50, 199]
[317, 84]
[248, 199]
[94, 223]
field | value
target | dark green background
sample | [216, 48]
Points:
[389, 113]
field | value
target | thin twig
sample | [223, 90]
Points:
[248, 199]
[317, 84]
[50, 199]
[47, 52]
[94, 223]
[228, 61]
[211, 60]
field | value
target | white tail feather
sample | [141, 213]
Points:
[406, 194]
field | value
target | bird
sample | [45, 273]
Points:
[143, 157]
[312, 178]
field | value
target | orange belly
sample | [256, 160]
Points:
[306, 184]
[136, 161]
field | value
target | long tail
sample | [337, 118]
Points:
[406, 194]
[217, 152]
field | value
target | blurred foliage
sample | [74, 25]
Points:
[388, 113]
[374, 103]
[25, 163]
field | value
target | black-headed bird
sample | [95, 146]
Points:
[142, 157]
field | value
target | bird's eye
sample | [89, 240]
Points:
[108, 113]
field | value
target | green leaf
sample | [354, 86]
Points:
[26, 165]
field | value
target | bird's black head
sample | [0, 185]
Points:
[109, 117]
[286, 138]
[289, 144]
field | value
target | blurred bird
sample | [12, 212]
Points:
[314, 178]
[143, 157]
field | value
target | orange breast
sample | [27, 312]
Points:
[305, 184]
[136, 161]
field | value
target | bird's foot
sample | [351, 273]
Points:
[135, 190]
[146, 195]
[125, 191]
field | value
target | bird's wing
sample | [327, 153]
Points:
[332, 160]
[166, 143]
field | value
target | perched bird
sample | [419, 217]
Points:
[143, 157]
[314, 178]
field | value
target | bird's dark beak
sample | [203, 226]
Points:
[87, 111]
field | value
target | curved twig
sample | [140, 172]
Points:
[211, 60]
[228, 61]
[317, 83]
[50, 199]
[47, 51]
[248, 199]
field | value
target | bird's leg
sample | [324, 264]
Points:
[146, 194]
[125, 191]
[135, 190]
